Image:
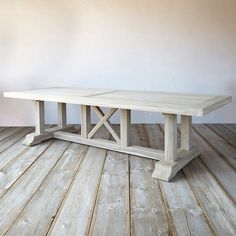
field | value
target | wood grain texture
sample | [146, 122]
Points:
[125, 122]
[13, 170]
[213, 198]
[106, 122]
[14, 150]
[8, 132]
[170, 137]
[63, 188]
[13, 138]
[39, 117]
[101, 121]
[61, 115]
[111, 215]
[74, 218]
[148, 215]
[75, 215]
[224, 132]
[15, 200]
[35, 138]
[173, 103]
[111, 145]
[186, 132]
[11, 153]
[219, 208]
[185, 214]
[174, 161]
[166, 170]
[223, 148]
[34, 221]
[85, 121]
[223, 172]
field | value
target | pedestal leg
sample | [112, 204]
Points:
[85, 120]
[186, 132]
[39, 117]
[61, 115]
[170, 137]
[175, 160]
[41, 134]
[125, 120]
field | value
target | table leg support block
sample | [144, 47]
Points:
[36, 138]
[165, 170]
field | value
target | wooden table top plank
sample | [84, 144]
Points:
[174, 103]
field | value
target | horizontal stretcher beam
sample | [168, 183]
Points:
[111, 145]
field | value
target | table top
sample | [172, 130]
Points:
[172, 103]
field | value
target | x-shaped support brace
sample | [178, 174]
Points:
[104, 120]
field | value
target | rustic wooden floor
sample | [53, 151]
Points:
[61, 188]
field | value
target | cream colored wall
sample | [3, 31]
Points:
[171, 45]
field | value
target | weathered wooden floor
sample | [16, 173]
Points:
[61, 188]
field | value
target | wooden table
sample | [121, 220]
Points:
[171, 160]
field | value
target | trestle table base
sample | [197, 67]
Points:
[171, 160]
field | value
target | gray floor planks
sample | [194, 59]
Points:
[231, 127]
[14, 169]
[12, 138]
[186, 215]
[111, 216]
[220, 210]
[11, 153]
[221, 170]
[36, 218]
[74, 218]
[148, 214]
[225, 150]
[8, 132]
[2, 128]
[89, 191]
[17, 197]
[224, 132]
[75, 215]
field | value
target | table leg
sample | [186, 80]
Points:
[39, 117]
[41, 134]
[186, 132]
[85, 120]
[170, 137]
[61, 115]
[175, 160]
[125, 120]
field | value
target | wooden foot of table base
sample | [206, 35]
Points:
[165, 170]
[36, 138]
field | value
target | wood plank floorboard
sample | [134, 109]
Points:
[231, 127]
[219, 144]
[186, 216]
[148, 213]
[224, 132]
[62, 188]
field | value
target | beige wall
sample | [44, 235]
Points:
[168, 45]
